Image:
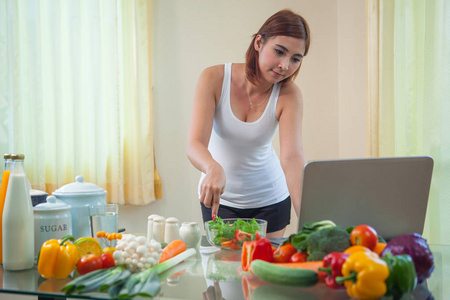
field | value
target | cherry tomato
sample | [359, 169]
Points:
[284, 253]
[107, 260]
[299, 257]
[364, 235]
[88, 263]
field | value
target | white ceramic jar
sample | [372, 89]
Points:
[172, 230]
[190, 233]
[84, 199]
[52, 220]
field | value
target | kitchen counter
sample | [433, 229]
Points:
[217, 275]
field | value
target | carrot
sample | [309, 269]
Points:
[172, 249]
[309, 265]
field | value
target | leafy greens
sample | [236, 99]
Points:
[226, 230]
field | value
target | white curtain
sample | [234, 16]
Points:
[75, 93]
[409, 88]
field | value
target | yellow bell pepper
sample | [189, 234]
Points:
[57, 258]
[364, 275]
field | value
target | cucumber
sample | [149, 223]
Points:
[283, 275]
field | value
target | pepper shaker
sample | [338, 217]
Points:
[150, 227]
[159, 224]
[172, 230]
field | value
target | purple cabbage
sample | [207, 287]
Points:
[416, 246]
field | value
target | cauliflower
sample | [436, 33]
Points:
[136, 253]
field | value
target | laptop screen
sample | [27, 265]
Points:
[389, 194]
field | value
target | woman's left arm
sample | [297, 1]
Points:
[292, 156]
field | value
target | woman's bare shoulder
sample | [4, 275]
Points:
[290, 90]
[290, 96]
[213, 73]
[210, 81]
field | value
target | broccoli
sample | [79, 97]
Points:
[298, 240]
[327, 240]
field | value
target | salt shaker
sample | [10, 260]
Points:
[190, 233]
[150, 227]
[172, 230]
[159, 224]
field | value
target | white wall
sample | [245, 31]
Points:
[189, 35]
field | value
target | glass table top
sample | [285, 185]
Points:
[217, 275]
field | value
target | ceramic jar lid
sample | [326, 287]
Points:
[79, 187]
[51, 205]
[37, 193]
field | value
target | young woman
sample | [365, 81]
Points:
[236, 112]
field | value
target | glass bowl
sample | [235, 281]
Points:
[222, 232]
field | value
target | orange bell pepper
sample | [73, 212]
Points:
[356, 248]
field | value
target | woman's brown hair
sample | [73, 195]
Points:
[283, 23]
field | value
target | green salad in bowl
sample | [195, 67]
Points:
[232, 233]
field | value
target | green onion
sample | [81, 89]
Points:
[118, 275]
[72, 286]
[121, 284]
[173, 261]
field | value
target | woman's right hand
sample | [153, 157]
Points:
[212, 186]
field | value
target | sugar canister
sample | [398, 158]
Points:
[52, 220]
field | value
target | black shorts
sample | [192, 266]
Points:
[277, 215]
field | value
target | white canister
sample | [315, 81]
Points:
[172, 230]
[52, 220]
[190, 233]
[150, 227]
[159, 224]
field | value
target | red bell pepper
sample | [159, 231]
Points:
[251, 250]
[332, 268]
[245, 236]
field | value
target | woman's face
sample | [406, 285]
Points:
[279, 57]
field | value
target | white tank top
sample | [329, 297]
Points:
[254, 177]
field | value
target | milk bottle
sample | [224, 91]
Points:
[18, 220]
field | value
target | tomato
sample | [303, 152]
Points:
[88, 263]
[364, 235]
[299, 257]
[107, 260]
[284, 253]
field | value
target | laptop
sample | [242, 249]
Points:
[390, 193]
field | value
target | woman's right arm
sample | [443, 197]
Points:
[206, 97]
